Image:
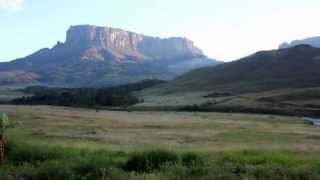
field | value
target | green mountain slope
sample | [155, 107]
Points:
[295, 67]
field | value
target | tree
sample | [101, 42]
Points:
[4, 124]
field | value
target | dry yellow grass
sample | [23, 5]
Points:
[130, 131]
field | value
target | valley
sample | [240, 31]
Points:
[178, 131]
[113, 104]
[64, 143]
[159, 90]
[297, 102]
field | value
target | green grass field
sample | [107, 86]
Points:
[68, 143]
[298, 101]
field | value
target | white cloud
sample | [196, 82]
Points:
[11, 5]
[232, 39]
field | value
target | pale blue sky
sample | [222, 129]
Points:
[224, 29]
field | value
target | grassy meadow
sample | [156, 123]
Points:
[73, 143]
[298, 101]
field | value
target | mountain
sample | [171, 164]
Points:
[285, 81]
[296, 67]
[313, 41]
[93, 55]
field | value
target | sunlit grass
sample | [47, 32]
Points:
[99, 145]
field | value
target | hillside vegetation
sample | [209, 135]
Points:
[118, 96]
[284, 81]
[296, 67]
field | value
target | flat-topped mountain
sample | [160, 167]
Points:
[93, 55]
[102, 43]
[313, 41]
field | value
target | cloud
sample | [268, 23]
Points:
[11, 5]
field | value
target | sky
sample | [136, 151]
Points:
[224, 29]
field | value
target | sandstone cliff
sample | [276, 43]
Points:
[93, 55]
[103, 43]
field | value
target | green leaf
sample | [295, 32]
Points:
[4, 120]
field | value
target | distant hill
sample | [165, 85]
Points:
[313, 41]
[294, 67]
[285, 81]
[93, 55]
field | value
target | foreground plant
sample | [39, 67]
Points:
[4, 124]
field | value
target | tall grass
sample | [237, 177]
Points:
[150, 161]
[41, 162]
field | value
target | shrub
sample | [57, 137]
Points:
[22, 153]
[93, 168]
[150, 161]
[191, 159]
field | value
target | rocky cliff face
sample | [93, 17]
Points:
[102, 43]
[93, 55]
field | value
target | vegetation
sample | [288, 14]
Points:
[183, 131]
[9, 93]
[43, 162]
[294, 102]
[266, 70]
[4, 124]
[74, 143]
[85, 97]
[150, 161]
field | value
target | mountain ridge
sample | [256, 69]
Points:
[93, 55]
[312, 41]
[265, 70]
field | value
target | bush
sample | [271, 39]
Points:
[191, 108]
[94, 168]
[22, 153]
[44, 162]
[191, 159]
[150, 161]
